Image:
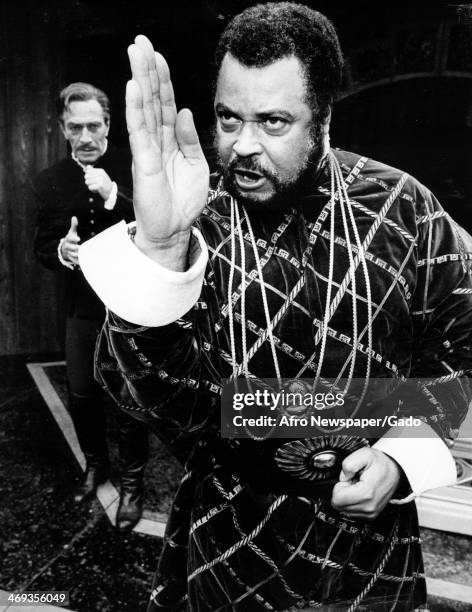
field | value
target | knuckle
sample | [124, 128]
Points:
[335, 501]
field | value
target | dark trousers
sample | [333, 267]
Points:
[87, 409]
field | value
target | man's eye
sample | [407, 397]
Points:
[228, 121]
[274, 124]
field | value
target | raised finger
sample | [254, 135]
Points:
[146, 46]
[140, 71]
[187, 136]
[168, 107]
[139, 137]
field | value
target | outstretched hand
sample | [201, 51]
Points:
[170, 172]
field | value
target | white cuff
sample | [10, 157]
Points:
[111, 201]
[64, 262]
[426, 460]
[134, 286]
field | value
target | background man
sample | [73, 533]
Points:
[78, 197]
[299, 261]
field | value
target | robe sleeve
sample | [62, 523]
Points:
[135, 287]
[440, 389]
[442, 322]
[150, 354]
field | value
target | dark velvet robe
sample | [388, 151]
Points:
[235, 538]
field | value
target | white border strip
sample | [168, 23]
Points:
[447, 509]
[450, 508]
[107, 493]
[57, 408]
[449, 590]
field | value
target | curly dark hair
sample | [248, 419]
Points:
[265, 33]
[82, 92]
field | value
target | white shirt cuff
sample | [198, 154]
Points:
[64, 262]
[111, 201]
[134, 286]
[426, 460]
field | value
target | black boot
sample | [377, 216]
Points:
[130, 508]
[133, 453]
[89, 421]
[94, 476]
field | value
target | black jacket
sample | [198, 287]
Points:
[61, 193]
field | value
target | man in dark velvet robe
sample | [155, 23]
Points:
[298, 262]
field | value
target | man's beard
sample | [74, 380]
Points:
[286, 192]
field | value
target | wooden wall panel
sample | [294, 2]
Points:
[31, 74]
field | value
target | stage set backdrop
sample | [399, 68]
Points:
[406, 99]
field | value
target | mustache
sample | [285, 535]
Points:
[247, 163]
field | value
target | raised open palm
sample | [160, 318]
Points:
[170, 172]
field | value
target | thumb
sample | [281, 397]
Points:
[354, 463]
[74, 224]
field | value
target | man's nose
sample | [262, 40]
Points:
[85, 136]
[248, 142]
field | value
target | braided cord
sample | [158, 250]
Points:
[243, 292]
[329, 282]
[264, 299]
[365, 245]
[230, 294]
[252, 545]
[352, 268]
[238, 545]
[377, 573]
[245, 363]
[367, 288]
[284, 564]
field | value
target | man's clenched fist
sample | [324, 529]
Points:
[98, 181]
[366, 484]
